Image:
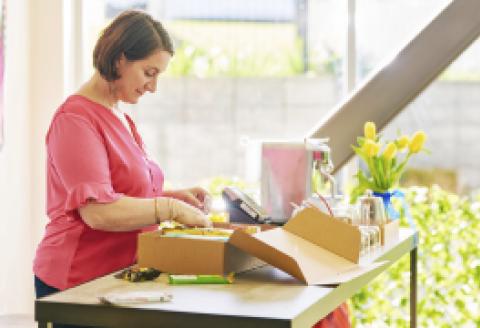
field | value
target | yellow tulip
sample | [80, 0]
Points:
[369, 130]
[403, 142]
[371, 148]
[375, 149]
[390, 151]
[417, 142]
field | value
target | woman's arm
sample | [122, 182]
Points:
[129, 213]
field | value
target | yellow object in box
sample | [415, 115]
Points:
[199, 232]
[251, 229]
[216, 231]
[219, 216]
[170, 224]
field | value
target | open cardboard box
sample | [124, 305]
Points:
[194, 256]
[313, 247]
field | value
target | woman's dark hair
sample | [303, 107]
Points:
[134, 34]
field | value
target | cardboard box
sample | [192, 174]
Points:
[313, 247]
[193, 256]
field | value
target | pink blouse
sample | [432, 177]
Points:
[90, 156]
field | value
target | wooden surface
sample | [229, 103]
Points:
[265, 297]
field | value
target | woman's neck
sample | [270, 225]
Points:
[99, 90]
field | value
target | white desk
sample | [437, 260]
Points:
[264, 297]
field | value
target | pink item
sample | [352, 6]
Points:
[338, 318]
[90, 156]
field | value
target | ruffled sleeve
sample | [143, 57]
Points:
[80, 160]
[81, 194]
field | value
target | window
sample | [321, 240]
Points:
[243, 71]
[254, 70]
[446, 110]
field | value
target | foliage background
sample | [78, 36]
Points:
[245, 49]
[448, 268]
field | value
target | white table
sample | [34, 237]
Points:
[263, 297]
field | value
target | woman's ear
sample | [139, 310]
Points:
[120, 63]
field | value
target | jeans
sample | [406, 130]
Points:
[41, 290]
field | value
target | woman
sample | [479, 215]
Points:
[102, 189]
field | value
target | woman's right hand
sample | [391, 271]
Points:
[174, 209]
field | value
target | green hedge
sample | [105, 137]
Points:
[448, 268]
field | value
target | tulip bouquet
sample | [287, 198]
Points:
[386, 161]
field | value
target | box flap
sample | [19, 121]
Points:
[327, 232]
[300, 258]
[255, 246]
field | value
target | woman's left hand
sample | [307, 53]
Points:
[196, 196]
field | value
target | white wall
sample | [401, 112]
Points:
[47, 92]
[33, 90]
[15, 196]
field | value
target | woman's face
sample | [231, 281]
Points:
[140, 76]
